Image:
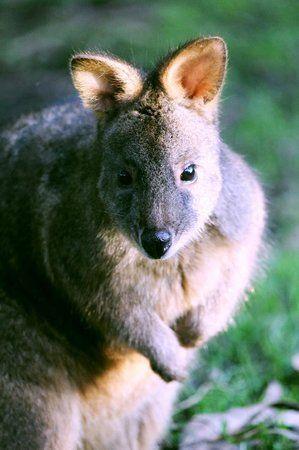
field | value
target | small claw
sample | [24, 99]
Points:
[191, 340]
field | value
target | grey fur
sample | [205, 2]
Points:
[80, 301]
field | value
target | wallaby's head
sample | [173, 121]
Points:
[159, 175]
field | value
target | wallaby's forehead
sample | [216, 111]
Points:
[172, 133]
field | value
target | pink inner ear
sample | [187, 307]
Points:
[199, 77]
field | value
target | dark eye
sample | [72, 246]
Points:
[189, 174]
[124, 178]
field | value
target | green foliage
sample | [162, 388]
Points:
[239, 364]
[259, 348]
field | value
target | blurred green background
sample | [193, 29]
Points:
[260, 120]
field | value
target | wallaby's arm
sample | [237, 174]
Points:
[145, 332]
[238, 218]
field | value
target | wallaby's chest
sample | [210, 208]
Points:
[161, 287]
[177, 292]
[200, 272]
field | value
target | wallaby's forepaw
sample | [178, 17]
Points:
[190, 339]
[167, 357]
[173, 367]
[168, 373]
[187, 329]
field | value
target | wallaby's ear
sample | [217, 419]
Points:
[194, 74]
[104, 81]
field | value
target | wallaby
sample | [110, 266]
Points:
[129, 236]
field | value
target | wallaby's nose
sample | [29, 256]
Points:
[156, 243]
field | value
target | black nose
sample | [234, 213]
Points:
[156, 243]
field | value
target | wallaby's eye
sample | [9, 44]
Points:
[189, 174]
[124, 178]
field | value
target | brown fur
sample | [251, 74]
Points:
[95, 334]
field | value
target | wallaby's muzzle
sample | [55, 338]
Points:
[156, 242]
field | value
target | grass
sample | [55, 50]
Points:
[239, 364]
[260, 119]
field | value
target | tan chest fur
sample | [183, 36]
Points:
[213, 276]
[115, 401]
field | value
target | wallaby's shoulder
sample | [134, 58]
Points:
[37, 159]
[241, 204]
[51, 130]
